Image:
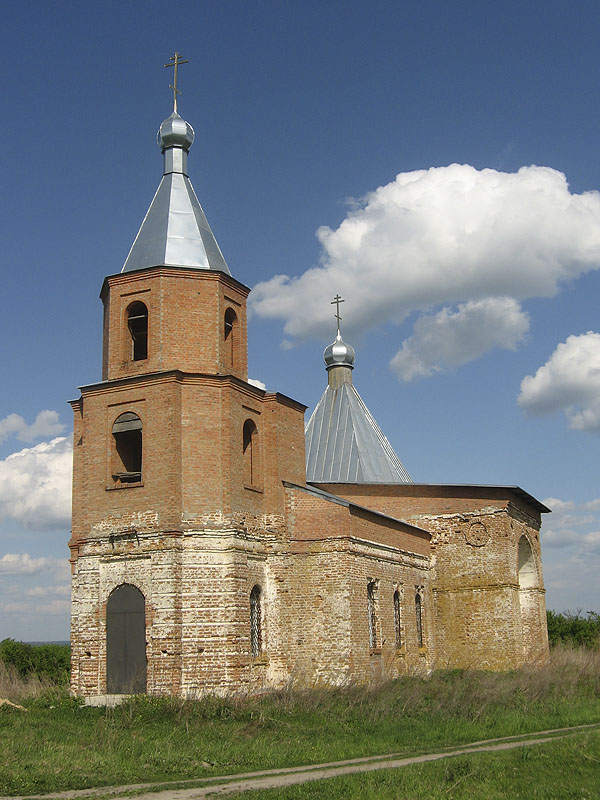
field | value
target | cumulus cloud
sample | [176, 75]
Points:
[51, 608]
[25, 564]
[46, 424]
[441, 237]
[60, 590]
[35, 484]
[449, 339]
[571, 554]
[257, 383]
[569, 381]
[572, 524]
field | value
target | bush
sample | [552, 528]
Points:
[45, 661]
[574, 628]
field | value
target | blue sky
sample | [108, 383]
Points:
[460, 282]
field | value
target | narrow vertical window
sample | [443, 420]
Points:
[251, 454]
[127, 436]
[255, 622]
[372, 615]
[229, 335]
[397, 619]
[419, 613]
[137, 322]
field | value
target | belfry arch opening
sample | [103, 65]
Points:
[137, 324]
[127, 457]
[230, 336]
[251, 454]
[126, 641]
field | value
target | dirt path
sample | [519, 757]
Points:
[277, 778]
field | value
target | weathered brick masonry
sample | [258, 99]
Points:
[203, 561]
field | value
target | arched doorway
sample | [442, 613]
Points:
[126, 641]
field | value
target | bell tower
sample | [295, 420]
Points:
[178, 465]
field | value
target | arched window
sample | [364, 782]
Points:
[230, 335]
[256, 643]
[137, 322]
[527, 570]
[371, 611]
[397, 619]
[251, 454]
[419, 613]
[127, 435]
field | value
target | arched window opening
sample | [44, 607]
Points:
[230, 335]
[527, 569]
[256, 643]
[419, 613]
[137, 322]
[251, 454]
[371, 611]
[126, 641]
[127, 434]
[397, 619]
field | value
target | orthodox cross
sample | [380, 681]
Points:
[336, 302]
[175, 61]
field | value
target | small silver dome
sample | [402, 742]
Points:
[175, 132]
[339, 354]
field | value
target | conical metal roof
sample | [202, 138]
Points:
[344, 444]
[175, 231]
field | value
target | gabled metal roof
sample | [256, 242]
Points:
[344, 444]
[175, 231]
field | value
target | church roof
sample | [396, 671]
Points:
[344, 443]
[175, 231]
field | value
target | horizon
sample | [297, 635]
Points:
[435, 165]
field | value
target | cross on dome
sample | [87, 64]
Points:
[175, 61]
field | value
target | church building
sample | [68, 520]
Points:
[218, 545]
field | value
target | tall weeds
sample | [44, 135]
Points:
[14, 687]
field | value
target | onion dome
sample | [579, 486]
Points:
[175, 132]
[339, 354]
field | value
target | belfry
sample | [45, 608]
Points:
[216, 546]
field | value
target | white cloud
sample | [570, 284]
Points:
[46, 424]
[571, 554]
[25, 564]
[61, 590]
[569, 381]
[257, 383]
[51, 608]
[449, 339]
[35, 484]
[436, 237]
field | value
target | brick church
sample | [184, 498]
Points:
[218, 544]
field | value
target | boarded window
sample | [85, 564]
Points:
[126, 641]
[137, 323]
[256, 643]
[127, 435]
[397, 619]
[371, 612]
[419, 613]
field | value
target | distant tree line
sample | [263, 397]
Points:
[51, 661]
[575, 628]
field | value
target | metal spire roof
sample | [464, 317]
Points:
[175, 231]
[344, 444]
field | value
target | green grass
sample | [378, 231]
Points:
[59, 744]
[568, 769]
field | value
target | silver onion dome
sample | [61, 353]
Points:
[175, 132]
[339, 354]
